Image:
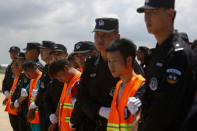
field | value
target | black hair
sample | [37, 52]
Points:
[71, 56]
[58, 66]
[125, 47]
[29, 65]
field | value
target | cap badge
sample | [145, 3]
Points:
[101, 22]
[78, 46]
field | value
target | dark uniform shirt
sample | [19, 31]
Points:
[95, 90]
[169, 86]
[22, 83]
[22, 114]
[52, 97]
[44, 82]
[8, 79]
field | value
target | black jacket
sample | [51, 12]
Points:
[170, 87]
[44, 82]
[8, 79]
[95, 90]
[52, 96]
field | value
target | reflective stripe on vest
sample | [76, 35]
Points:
[117, 127]
[7, 108]
[67, 119]
[68, 106]
[120, 119]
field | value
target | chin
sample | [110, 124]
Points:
[115, 75]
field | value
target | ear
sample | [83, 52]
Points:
[118, 35]
[171, 13]
[66, 67]
[66, 54]
[129, 61]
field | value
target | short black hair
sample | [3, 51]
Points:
[125, 47]
[29, 65]
[58, 66]
[71, 56]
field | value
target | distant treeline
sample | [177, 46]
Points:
[2, 69]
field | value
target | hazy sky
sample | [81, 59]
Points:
[70, 21]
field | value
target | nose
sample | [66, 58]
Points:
[147, 16]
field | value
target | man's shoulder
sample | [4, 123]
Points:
[92, 60]
[181, 47]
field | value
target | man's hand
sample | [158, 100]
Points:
[24, 92]
[134, 104]
[18, 109]
[53, 119]
[31, 114]
[52, 127]
[11, 105]
[5, 101]
[104, 112]
[73, 129]
[33, 106]
[21, 99]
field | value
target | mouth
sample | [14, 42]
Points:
[100, 44]
[113, 72]
[148, 25]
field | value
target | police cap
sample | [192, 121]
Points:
[155, 4]
[84, 47]
[106, 25]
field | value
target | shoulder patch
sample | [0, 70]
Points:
[173, 75]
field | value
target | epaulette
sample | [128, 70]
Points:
[178, 43]
[91, 59]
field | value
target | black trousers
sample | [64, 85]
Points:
[44, 122]
[14, 122]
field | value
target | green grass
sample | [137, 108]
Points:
[2, 71]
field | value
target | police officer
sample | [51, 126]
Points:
[21, 108]
[96, 84]
[45, 50]
[143, 56]
[54, 88]
[9, 76]
[83, 49]
[72, 58]
[170, 80]
[32, 53]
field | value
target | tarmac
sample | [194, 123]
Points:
[4, 119]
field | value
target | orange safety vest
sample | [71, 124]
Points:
[8, 109]
[119, 118]
[66, 106]
[81, 69]
[33, 85]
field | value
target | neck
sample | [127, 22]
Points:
[104, 55]
[163, 35]
[38, 72]
[126, 77]
[72, 72]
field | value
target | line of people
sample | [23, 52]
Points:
[101, 86]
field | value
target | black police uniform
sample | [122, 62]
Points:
[44, 81]
[8, 79]
[169, 86]
[138, 69]
[22, 114]
[95, 90]
[52, 97]
[190, 122]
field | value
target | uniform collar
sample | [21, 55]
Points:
[166, 43]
